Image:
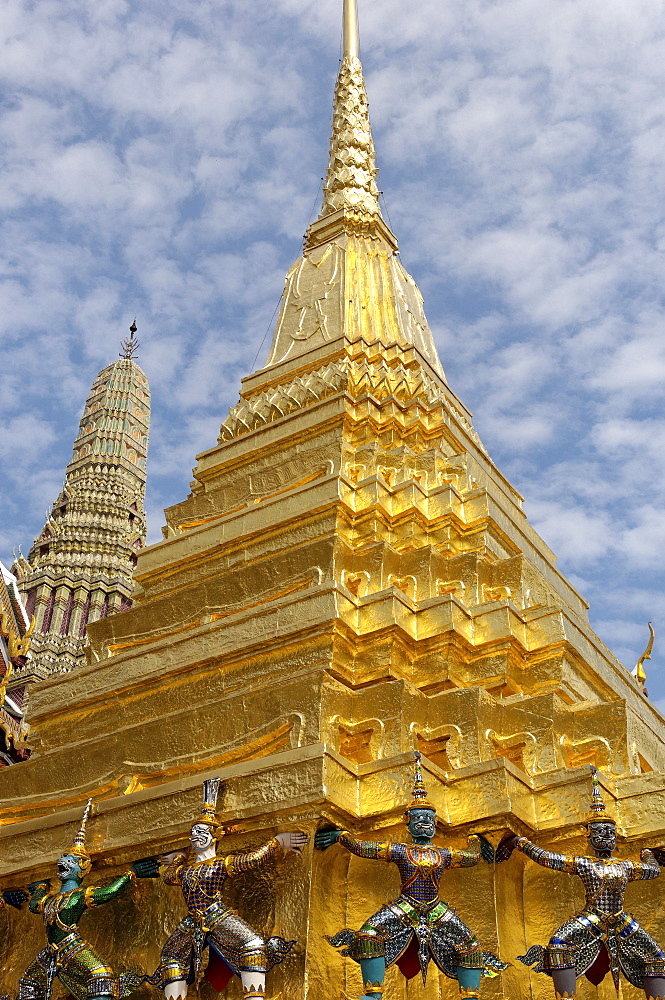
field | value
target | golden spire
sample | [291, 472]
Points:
[348, 291]
[351, 179]
[81, 564]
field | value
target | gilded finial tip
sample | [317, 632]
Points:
[351, 40]
[130, 345]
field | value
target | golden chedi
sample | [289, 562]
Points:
[351, 578]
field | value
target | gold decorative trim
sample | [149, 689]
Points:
[273, 595]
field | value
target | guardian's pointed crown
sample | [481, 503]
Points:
[78, 848]
[209, 805]
[598, 812]
[419, 800]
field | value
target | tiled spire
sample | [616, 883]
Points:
[80, 567]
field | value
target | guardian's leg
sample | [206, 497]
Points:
[370, 949]
[176, 990]
[101, 986]
[470, 960]
[560, 962]
[253, 959]
[469, 981]
[367, 947]
[253, 984]
[175, 964]
[565, 983]
[32, 984]
[373, 972]
[654, 987]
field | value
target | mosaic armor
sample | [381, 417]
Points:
[67, 956]
[418, 920]
[211, 923]
[578, 943]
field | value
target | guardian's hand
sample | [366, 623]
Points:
[293, 841]
[323, 839]
[166, 859]
[146, 868]
[15, 897]
[506, 847]
[486, 849]
[35, 885]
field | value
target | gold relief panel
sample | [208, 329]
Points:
[639, 764]
[361, 741]
[264, 741]
[609, 756]
[309, 309]
[596, 750]
[521, 749]
[497, 593]
[407, 584]
[358, 583]
[355, 473]
[454, 588]
[442, 745]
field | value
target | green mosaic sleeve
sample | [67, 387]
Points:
[39, 891]
[98, 895]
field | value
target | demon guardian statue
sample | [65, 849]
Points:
[602, 937]
[418, 926]
[234, 947]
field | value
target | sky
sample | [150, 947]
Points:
[162, 159]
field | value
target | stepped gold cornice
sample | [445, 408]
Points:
[358, 377]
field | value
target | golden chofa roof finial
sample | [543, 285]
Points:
[351, 179]
[638, 672]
